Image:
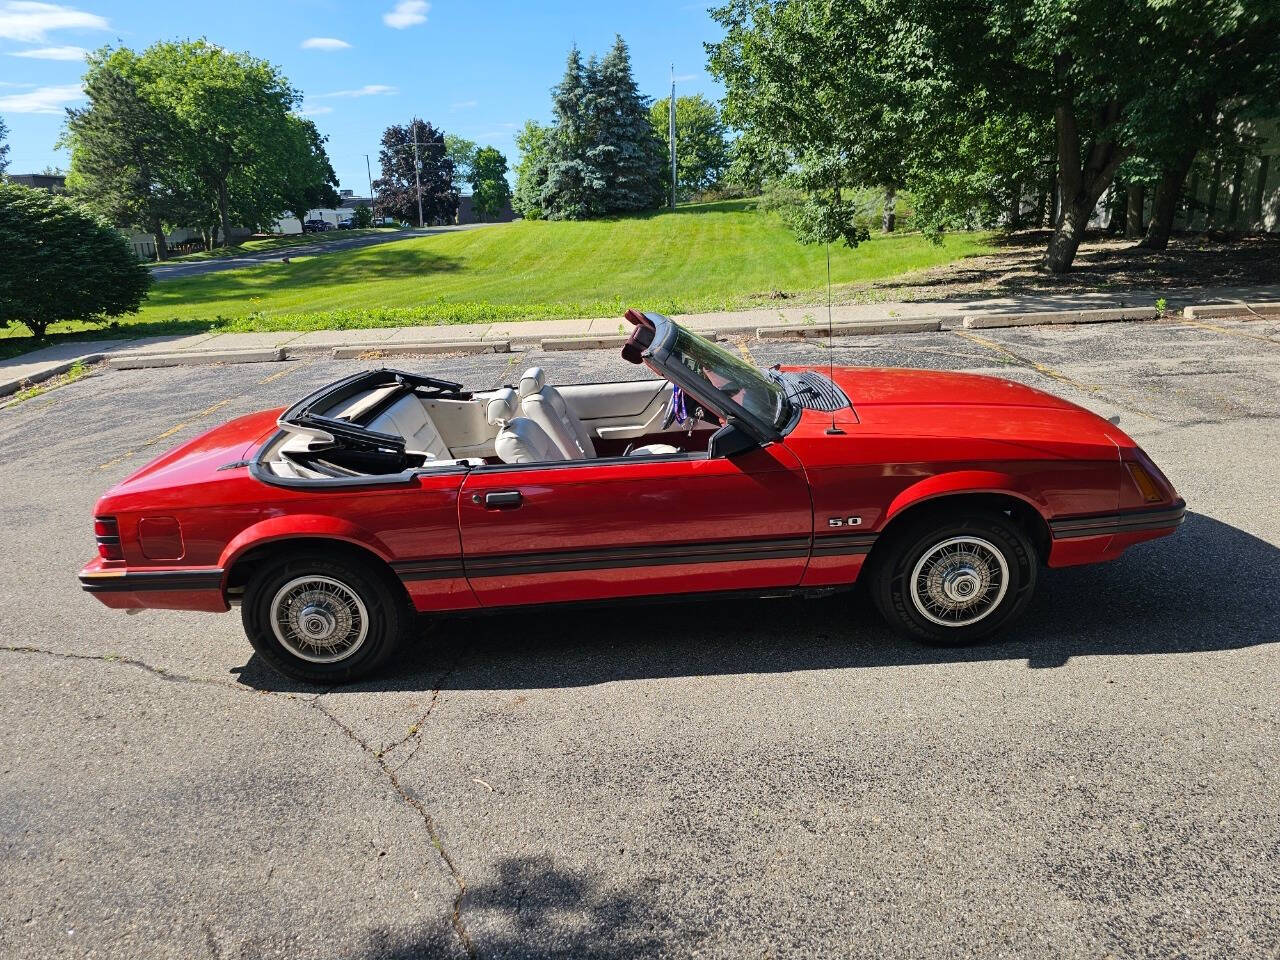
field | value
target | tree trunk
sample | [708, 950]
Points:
[1015, 208]
[1255, 209]
[1165, 204]
[889, 217]
[157, 232]
[1042, 205]
[1081, 180]
[1237, 191]
[1215, 182]
[224, 213]
[1136, 197]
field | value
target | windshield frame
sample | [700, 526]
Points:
[664, 357]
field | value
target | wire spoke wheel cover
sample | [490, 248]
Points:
[959, 581]
[319, 619]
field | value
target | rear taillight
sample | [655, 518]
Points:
[107, 532]
[1146, 483]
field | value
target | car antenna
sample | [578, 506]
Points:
[831, 345]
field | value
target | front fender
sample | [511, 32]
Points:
[300, 526]
[965, 481]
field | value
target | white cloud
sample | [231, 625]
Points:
[685, 77]
[42, 99]
[313, 111]
[406, 13]
[368, 90]
[325, 43]
[52, 53]
[32, 22]
[462, 105]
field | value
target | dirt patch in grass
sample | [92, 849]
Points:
[1102, 265]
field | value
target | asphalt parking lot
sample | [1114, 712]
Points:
[757, 779]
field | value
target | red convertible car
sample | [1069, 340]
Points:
[386, 493]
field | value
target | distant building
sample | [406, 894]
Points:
[51, 182]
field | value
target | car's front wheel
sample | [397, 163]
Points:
[952, 581]
[323, 619]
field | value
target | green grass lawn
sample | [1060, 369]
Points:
[703, 257]
[279, 243]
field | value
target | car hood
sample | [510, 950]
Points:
[943, 405]
[199, 459]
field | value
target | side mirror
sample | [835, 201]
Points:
[730, 441]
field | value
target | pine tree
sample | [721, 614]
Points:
[626, 152]
[574, 186]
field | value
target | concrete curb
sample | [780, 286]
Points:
[58, 369]
[1222, 311]
[987, 321]
[850, 329]
[602, 342]
[192, 358]
[357, 350]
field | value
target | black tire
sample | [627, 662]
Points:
[909, 612]
[386, 615]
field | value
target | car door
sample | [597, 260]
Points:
[635, 526]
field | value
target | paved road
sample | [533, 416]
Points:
[172, 271]
[764, 779]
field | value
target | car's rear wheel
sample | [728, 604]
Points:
[323, 619]
[954, 580]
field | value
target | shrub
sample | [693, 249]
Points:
[363, 217]
[62, 263]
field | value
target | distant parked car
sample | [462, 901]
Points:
[346, 224]
[316, 226]
[385, 222]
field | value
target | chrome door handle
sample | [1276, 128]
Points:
[503, 500]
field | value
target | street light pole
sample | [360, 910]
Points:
[368, 172]
[417, 176]
[671, 134]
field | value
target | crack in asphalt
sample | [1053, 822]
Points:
[428, 821]
[313, 702]
[415, 729]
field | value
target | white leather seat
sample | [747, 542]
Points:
[408, 418]
[546, 407]
[653, 450]
[519, 439]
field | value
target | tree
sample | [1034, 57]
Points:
[308, 179]
[4, 147]
[398, 188]
[702, 141]
[629, 156]
[600, 154]
[62, 263]
[362, 218]
[232, 111]
[120, 165]
[531, 171]
[463, 154]
[490, 191]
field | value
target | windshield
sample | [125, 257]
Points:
[739, 380]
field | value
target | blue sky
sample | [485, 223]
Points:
[478, 69]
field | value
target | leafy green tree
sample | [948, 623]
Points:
[490, 191]
[362, 218]
[62, 263]
[702, 141]
[531, 171]
[463, 154]
[574, 185]
[4, 146]
[232, 111]
[307, 179]
[398, 188]
[120, 162]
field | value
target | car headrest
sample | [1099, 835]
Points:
[532, 381]
[503, 406]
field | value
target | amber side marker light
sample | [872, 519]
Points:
[107, 532]
[1149, 489]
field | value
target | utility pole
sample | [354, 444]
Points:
[368, 172]
[671, 134]
[417, 175]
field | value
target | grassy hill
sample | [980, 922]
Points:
[701, 257]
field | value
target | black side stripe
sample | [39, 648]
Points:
[153, 580]
[1130, 521]
[612, 558]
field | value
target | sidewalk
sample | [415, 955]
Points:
[877, 318]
